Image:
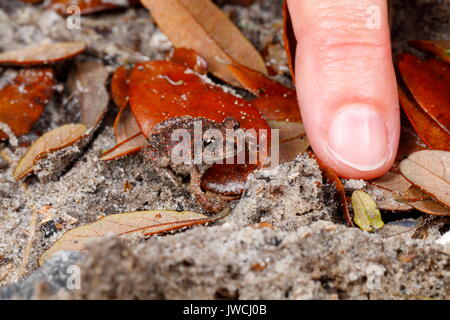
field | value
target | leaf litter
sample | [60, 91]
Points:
[409, 199]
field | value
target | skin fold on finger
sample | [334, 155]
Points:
[346, 84]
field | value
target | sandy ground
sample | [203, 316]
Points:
[309, 253]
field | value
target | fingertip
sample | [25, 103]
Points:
[346, 85]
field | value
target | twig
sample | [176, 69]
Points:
[28, 248]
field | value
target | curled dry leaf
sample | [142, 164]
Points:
[394, 193]
[126, 147]
[142, 223]
[200, 25]
[423, 202]
[367, 215]
[432, 94]
[129, 138]
[23, 101]
[51, 141]
[278, 105]
[125, 125]
[87, 83]
[42, 55]
[120, 89]
[429, 171]
[430, 207]
[64, 7]
[290, 42]
[440, 48]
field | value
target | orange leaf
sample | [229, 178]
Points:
[23, 101]
[190, 59]
[163, 90]
[433, 135]
[142, 223]
[42, 55]
[51, 141]
[202, 26]
[290, 42]
[431, 93]
[120, 89]
[258, 83]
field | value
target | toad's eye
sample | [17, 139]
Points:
[209, 141]
[230, 123]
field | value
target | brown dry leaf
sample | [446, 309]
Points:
[392, 181]
[200, 25]
[421, 201]
[387, 189]
[386, 200]
[367, 215]
[125, 125]
[56, 139]
[440, 48]
[42, 55]
[142, 223]
[87, 82]
[430, 207]
[429, 171]
[23, 101]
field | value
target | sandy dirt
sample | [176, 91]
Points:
[308, 253]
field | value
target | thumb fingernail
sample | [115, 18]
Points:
[357, 137]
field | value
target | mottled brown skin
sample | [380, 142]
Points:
[160, 146]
